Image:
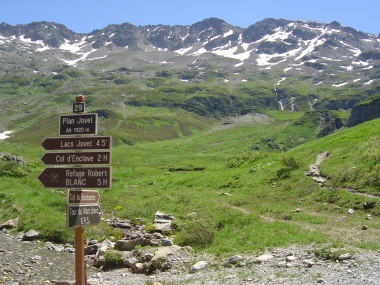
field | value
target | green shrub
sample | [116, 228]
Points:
[124, 80]
[151, 228]
[283, 173]
[332, 254]
[290, 162]
[113, 259]
[198, 233]
[12, 169]
[245, 157]
[57, 235]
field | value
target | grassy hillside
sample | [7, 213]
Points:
[244, 199]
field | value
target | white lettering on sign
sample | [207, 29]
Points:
[97, 173]
[66, 144]
[68, 121]
[82, 144]
[89, 120]
[75, 173]
[75, 182]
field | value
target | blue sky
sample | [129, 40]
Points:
[83, 16]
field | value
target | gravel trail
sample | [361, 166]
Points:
[30, 263]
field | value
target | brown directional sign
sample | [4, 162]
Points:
[77, 143]
[64, 158]
[82, 215]
[78, 124]
[76, 177]
[83, 196]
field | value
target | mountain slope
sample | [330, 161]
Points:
[291, 47]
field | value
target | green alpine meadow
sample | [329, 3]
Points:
[251, 139]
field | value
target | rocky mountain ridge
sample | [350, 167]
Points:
[271, 44]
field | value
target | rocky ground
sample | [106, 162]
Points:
[24, 262]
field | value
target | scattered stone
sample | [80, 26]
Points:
[69, 283]
[291, 258]
[36, 258]
[369, 205]
[138, 268]
[166, 242]
[90, 249]
[364, 228]
[162, 255]
[99, 259]
[198, 266]
[10, 224]
[163, 222]
[158, 236]
[12, 157]
[56, 248]
[263, 258]
[93, 242]
[130, 262]
[368, 217]
[309, 263]
[107, 243]
[125, 244]
[233, 260]
[351, 211]
[30, 235]
[345, 256]
[298, 210]
[122, 225]
[149, 256]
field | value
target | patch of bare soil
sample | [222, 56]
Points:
[250, 118]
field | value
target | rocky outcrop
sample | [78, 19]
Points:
[10, 224]
[365, 111]
[328, 123]
[12, 157]
[325, 122]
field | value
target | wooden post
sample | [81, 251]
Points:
[80, 266]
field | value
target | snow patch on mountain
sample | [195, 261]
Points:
[230, 32]
[361, 63]
[231, 52]
[340, 85]
[312, 44]
[74, 47]
[264, 59]
[81, 58]
[183, 51]
[5, 135]
[280, 34]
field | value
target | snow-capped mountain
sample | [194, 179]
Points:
[303, 47]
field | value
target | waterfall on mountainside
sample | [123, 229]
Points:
[280, 101]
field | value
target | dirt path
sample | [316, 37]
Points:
[315, 173]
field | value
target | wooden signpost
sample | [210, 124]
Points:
[75, 143]
[82, 208]
[82, 215]
[76, 177]
[83, 196]
[78, 124]
[63, 158]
